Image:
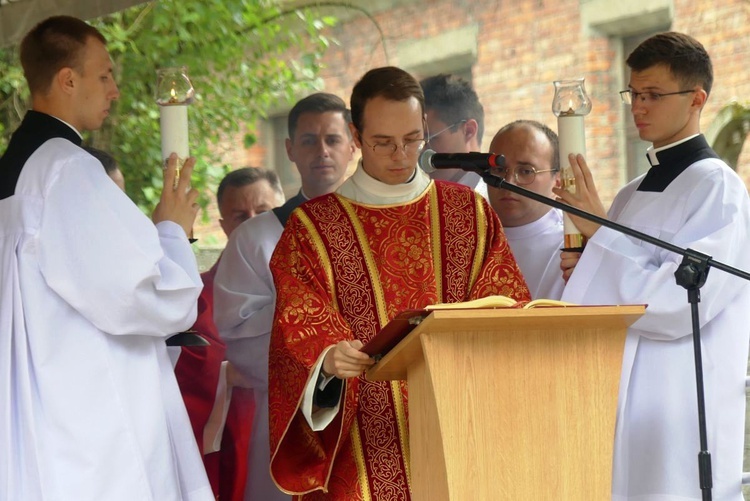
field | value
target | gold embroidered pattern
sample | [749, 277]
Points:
[372, 270]
[359, 458]
[436, 238]
[320, 250]
[459, 241]
[481, 250]
[400, 400]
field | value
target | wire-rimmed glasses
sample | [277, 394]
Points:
[452, 126]
[411, 147]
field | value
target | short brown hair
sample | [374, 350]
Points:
[453, 99]
[249, 175]
[685, 57]
[389, 82]
[54, 44]
[318, 103]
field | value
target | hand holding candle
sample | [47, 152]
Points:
[178, 204]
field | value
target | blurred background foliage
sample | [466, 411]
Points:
[243, 57]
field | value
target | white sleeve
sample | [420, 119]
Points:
[321, 418]
[244, 294]
[109, 262]
[214, 429]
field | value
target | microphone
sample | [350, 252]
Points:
[480, 163]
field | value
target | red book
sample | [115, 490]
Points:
[393, 332]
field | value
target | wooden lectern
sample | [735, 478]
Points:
[512, 404]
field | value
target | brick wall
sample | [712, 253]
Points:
[524, 45]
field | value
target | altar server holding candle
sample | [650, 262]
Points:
[89, 290]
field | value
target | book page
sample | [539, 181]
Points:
[484, 302]
[546, 302]
[497, 302]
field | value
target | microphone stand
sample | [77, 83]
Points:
[691, 274]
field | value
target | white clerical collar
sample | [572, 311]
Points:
[651, 151]
[361, 187]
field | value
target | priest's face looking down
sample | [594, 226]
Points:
[386, 123]
[524, 147]
[321, 148]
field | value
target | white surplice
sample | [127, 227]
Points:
[536, 247]
[705, 208]
[244, 299]
[89, 290]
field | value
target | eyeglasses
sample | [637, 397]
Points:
[628, 96]
[387, 149]
[430, 137]
[522, 175]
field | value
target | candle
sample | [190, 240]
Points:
[572, 138]
[174, 131]
[174, 92]
[570, 105]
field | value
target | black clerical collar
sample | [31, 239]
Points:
[283, 212]
[673, 161]
[47, 127]
[35, 130]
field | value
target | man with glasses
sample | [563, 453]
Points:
[692, 199]
[534, 230]
[388, 240]
[455, 122]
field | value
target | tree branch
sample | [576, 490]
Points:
[345, 5]
[138, 20]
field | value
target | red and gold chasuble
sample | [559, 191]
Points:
[342, 271]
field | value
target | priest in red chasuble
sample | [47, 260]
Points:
[389, 239]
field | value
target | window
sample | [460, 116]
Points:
[276, 133]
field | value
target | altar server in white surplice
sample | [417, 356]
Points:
[321, 147]
[534, 230]
[691, 198]
[89, 290]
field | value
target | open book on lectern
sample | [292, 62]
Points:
[403, 323]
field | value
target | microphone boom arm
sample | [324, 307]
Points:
[502, 184]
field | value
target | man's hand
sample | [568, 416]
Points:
[568, 262]
[177, 203]
[585, 197]
[345, 360]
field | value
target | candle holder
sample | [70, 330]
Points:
[570, 105]
[174, 92]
